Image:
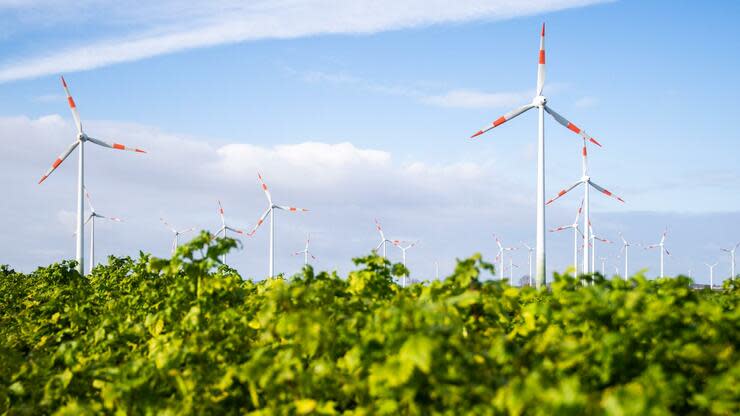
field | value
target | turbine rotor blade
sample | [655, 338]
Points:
[89, 200]
[605, 192]
[264, 188]
[116, 146]
[503, 119]
[169, 227]
[73, 107]
[291, 209]
[570, 126]
[59, 160]
[563, 192]
[541, 64]
[260, 221]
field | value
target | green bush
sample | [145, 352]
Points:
[187, 335]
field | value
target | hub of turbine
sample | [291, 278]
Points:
[539, 101]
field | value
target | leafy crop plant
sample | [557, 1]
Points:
[187, 335]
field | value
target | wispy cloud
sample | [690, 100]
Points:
[170, 26]
[457, 98]
[478, 99]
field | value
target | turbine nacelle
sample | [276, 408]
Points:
[539, 101]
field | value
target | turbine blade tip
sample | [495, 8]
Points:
[478, 133]
[543, 29]
[43, 178]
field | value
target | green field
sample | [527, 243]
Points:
[187, 335]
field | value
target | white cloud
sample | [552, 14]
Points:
[170, 26]
[181, 177]
[478, 99]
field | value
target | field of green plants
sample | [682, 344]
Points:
[187, 335]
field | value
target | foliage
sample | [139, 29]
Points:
[187, 335]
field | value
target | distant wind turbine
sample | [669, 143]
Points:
[176, 232]
[576, 232]
[711, 274]
[511, 270]
[271, 211]
[595, 238]
[587, 184]
[539, 102]
[660, 245]
[383, 240]
[500, 256]
[732, 258]
[82, 137]
[91, 220]
[625, 250]
[306, 251]
[224, 228]
[403, 249]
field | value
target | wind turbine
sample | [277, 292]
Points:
[305, 251]
[225, 228]
[711, 274]
[271, 211]
[587, 184]
[403, 252]
[511, 270]
[383, 240]
[594, 238]
[625, 249]
[91, 220]
[732, 258]
[576, 231]
[603, 266]
[500, 256]
[82, 137]
[177, 233]
[661, 245]
[539, 102]
[530, 250]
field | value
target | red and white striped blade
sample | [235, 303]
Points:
[312, 256]
[503, 119]
[116, 219]
[541, 64]
[570, 126]
[89, 217]
[561, 228]
[291, 209]
[603, 240]
[221, 210]
[169, 227]
[605, 192]
[73, 107]
[666, 251]
[59, 160]
[652, 246]
[116, 146]
[264, 188]
[236, 230]
[187, 231]
[260, 221]
[380, 229]
[563, 192]
[89, 200]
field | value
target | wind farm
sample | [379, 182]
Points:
[433, 271]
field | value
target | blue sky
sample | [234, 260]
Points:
[404, 88]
